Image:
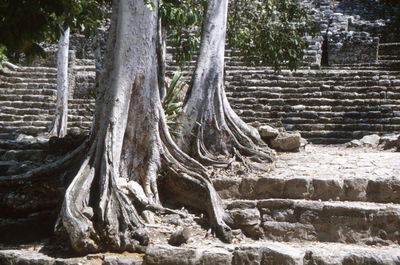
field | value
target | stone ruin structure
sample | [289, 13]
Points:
[315, 208]
[351, 32]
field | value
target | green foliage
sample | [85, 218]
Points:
[182, 21]
[3, 51]
[172, 104]
[25, 23]
[269, 32]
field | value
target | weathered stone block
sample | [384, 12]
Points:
[286, 142]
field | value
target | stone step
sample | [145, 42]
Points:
[304, 220]
[37, 112]
[333, 137]
[389, 49]
[6, 144]
[342, 67]
[371, 117]
[32, 73]
[326, 80]
[73, 104]
[232, 88]
[37, 69]
[25, 111]
[35, 155]
[328, 139]
[335, 73]
[349, 130]
[17, 118]
[308, 83]
[311, 101]
[31, 85]
[30, 98]
[37, 123]
[28, 79]
[390, 57]
[75, 128]
[83, 117]
[31, 130]
[85, 68]
[360, 186]
[84, 62]
[333, 110]
[263, 252]
[28, 104]
[270, 253]
[346, 93]
[26, 91]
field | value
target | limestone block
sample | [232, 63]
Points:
[267, 255]
[286, 141]
[268, 131]
[167, 255]
[370, 140]
[247, 217]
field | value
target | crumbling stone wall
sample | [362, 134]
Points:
[351, 31]
[349, 47]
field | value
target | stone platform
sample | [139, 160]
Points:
[325, 205]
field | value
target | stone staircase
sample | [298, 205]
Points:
[326, 205]
[389, 52]
[323, 206]
[27, 102]
[20, 153]
[327, 105]
[331, 105]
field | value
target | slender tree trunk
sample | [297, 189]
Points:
[130, 141]
[59, 125]
[214, 134]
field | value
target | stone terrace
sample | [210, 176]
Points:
[326, 205]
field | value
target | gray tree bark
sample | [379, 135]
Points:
[161, 53]
[130, 141]
[58, 127]
[214, 134]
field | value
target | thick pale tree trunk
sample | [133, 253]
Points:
[130, 141]
[59, 125]
[214, 134]
[161, 54]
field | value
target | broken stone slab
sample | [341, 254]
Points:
[390, 141]
[370, 140]
[287, 142]
[268, 131]
[179, 237]
[374, 140]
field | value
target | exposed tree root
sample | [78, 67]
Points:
[98, 215]
[222, 134]
[189, 183]
[223, 137]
